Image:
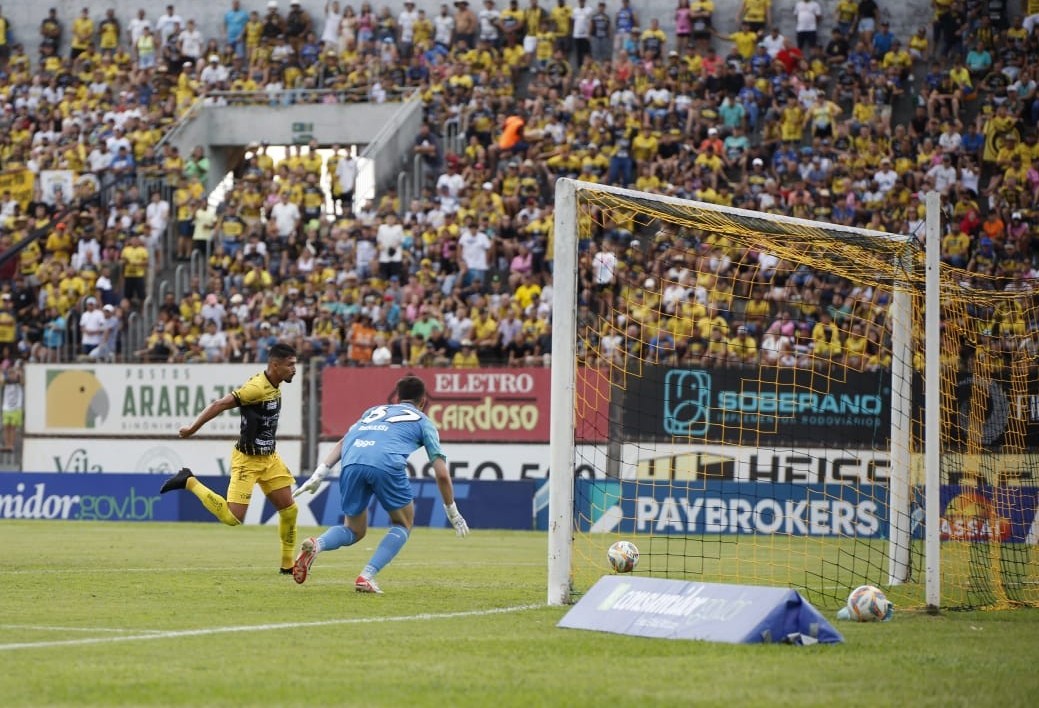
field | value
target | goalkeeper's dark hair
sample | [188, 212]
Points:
[411, 388]
[281, 350]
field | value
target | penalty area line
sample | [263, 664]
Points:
[207, 631]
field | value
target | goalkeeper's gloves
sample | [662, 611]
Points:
[315, 480]
[456, 519]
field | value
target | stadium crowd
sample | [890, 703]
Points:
[845, 121]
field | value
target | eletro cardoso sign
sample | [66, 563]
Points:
[475, 405]
[151, 400]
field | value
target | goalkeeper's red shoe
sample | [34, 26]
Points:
[363, 584]
[307, 553]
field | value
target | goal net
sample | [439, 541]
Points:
[744, 396]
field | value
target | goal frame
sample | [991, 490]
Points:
[564, 387]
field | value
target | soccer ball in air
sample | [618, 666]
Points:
[868, 603]
[624, 556]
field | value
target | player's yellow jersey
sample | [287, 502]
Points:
[259, 403]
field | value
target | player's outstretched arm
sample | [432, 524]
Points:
[208, 413]
[447, 493]
[321, 471]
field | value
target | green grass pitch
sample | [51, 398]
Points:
[196, 614]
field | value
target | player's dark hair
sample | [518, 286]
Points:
[281, 351]
[411, 388]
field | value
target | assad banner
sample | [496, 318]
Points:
[984, 514]
[154, 456]
[485, 461]
[469, 405]
[143, 400]
[756, 406]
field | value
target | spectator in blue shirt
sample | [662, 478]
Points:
[234, 24]
[883, 40]
[978, 61]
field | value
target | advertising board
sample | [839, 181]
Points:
[978, 513]
[664, 608]
[755, 407]
[77, 497]
[683, 508]
[801, 465]
[136, 455]
[798, 407]
[489, 462]
[468, 405]
[984, 514]
[485, 505]
[147, 400]
[135, 497]
[1010, 411]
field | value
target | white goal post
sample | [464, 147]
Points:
[561, 521]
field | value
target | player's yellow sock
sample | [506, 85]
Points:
[287, 532]
[216, 504]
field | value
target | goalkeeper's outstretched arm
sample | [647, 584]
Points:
[443, 478]
[447, 493]
[333, 455]
[322, 470]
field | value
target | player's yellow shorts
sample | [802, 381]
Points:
[268, 471]
[13, 418]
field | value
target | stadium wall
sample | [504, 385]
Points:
[25, 17]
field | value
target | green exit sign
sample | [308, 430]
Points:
[302, 127]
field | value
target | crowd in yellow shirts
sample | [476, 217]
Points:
[844, 121]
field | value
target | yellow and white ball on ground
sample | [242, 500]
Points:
[868, 603]
[623, 556]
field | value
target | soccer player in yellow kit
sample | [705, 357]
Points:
[254, 459]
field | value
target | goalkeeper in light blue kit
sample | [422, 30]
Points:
[373, 456]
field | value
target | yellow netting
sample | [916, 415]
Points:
[747, 364]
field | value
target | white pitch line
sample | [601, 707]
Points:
[209, 569]
[263, 628]
[50, 628]
[94, 571]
